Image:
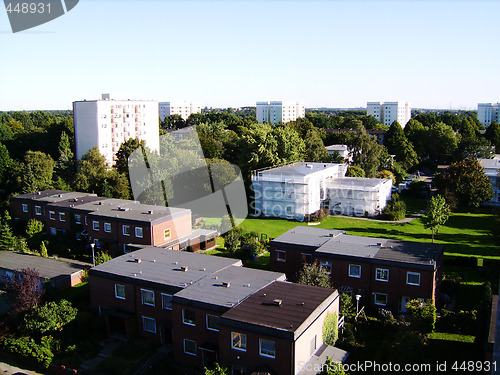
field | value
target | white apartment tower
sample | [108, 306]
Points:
[279, 111]
[107, 123]
[488, 112]
[184, 109]
[388, 112]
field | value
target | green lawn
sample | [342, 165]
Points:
[451, 337]
[465, 234]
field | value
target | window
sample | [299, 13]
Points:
[380, 299]
[126, 230]
[166, 301]
[238, 370]
[166, 234]
[413, 278]
[239, 341]
[327, 266]
[281, 255]
[52, 215]
[38, 210]
[25, 207]
[78, 219]
[312, 345]
[306, 258]
[138, 232]
[189, 347]
[382, 274]
[107, 227]
[267, 348]
[148, 297]
[120, 291]
[188, 317]
[354, 270]
[62, 216]
[213, 322]
[95, 225]
[53, 231]
[149, 324]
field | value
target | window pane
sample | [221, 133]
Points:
[267, 348]
[188, 317]
[189, 346]
[148, 297]
[120, 291]
[213, 322]
[149, 324]
[166, 301]
[354, 270]
[239, 341]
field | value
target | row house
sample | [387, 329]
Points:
[386, 273]
[211, 309]
[114, 225]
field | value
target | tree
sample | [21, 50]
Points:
[51, 316]
[355, 171]
[39, 168]
[315, 275]
[34, 233]
[232, 240]
[126, 149]
[5, 164]
[422, 316]
[395, 209]
[394, 137]
[416, 133]
[365, 152]
[102, 257]
[346, 306]
[330, 367]
[24, 289]
[467, 183]
[91, 171]
[43, 250]
[437, 214]
[65, 165]
[383, 174]
[330, 330]
[7, 239]
[493, 135]
[217, 370]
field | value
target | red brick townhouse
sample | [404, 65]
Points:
[386, 273]
[212, 309]
[112, 224]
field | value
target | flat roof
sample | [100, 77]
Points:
[337, 148]
[38, 195]
[490, 163]
[132, 210]
[242, 283]
[306, 236]
[354, 246]
[299, 168]
[300, 306]
[48, 268]
[76, 201]
[163, 266]
[354, 182]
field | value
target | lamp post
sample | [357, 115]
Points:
[358, 297]
[93, 256]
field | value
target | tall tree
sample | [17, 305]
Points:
[92, 168]
[24, 289]
[493, 135]
[65, 165]
[40, 166]
[314, 275]
[126, 149]
[437, 214]
[5, 164]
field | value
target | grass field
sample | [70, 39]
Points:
[465, 234]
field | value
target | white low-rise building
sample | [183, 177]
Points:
[492, 170]
[297, 190]
[342, 150]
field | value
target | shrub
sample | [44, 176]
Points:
[395, 209]
[330, 330]
[346, 306]
[422, 316]
[28, 348]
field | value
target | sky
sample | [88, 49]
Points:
[232, 53]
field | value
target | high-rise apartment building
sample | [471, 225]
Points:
[107, 123]
[184, 109]
[388, 112]
[279, 111]
[488, 112]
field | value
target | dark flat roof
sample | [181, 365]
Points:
[38, 195]
[75, 201]
[48, 268]
[306, 236]
[300, 306]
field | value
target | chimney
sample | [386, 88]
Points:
[150, 212]
[138, 260]
[226, 284]
[277, 302]
[184, 268]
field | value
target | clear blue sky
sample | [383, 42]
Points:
[434, 54]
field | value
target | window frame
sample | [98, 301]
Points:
[195, 347]
[169, 234]
[123, 230]
[162, 301]
[380, 294]
[62, 217]
[377, 276]
[264, 354]
[38, 210]
[209, 328]
[146, 318]
[142, 232]
[278, 258]
[327, 265]
[188, 322]
[304, 256]
[79, 220]
[24, 207]
[143, 293]
[408, 273]
[241, 349]
[355, 276]
[52, 215]
[116, 291]
[94, 222]
[107, 225]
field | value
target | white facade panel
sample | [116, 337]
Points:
[279, 111]
[488, 112]
[388, 112]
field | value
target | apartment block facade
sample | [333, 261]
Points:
[183, 109]
[211, 309]
[107, 123]
[492, 170]
[386, 273]
[280, 111]
[488, 112]
[388, 112]
[114, 225]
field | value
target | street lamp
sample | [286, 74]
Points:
[358, 297]
[93, 257]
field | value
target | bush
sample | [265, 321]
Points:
[330, 330]
[346, 306]
[28, 348]
[395, 209]
[386, 317]
[422, 316]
